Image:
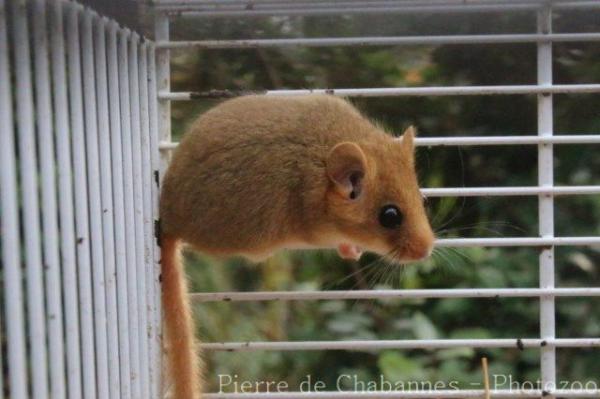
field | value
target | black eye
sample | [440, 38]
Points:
[390, 217]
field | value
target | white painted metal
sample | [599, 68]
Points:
[380, 41]
[163, 125]
[407, 394]
[121, 250]
[108, 237]
[94, 203]
[63, 182]
[9, 222]
[394, 294]
[509, 191]
[344, 8]
[361, 345]
[507, 140]
[28, 166]
[305, 3]
[546, 202]
[163, 71]
[478, 141]
[66, 207]
[1, 355]
[146, 170]
[340, 3]
[399, 91]
[193, 11]
[138, 203]
[155, 332]
[88, 355]
[517, 242]
[130, 213]
[49, 206]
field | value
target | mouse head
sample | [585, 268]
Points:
[373, 200]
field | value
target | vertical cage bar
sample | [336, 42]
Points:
[44, 120]
[147, 195]
[163, 71]
[11, 245]
[138, 202]
[1, 286]
[88, 362]
[163, 129]
[94, 204]
[156, 341]
[121, 253]
[108, 230]
[66, 211]
[29, 186]
[546, 202]
[132, 278]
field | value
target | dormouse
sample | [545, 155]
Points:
[257, 174]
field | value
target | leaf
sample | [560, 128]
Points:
[423, 328]
[397, 367]
[454, 353]
[471, 333]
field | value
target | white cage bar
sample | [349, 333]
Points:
[11, 243]
[68, 167]
[85, 108]
[546, 202]
[108, 230]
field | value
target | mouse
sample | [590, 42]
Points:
[257, 174]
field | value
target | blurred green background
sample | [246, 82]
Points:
[390, 66]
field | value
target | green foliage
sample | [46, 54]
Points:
[452, 217]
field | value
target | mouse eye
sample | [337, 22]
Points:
[390, 217]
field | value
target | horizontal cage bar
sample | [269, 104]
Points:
[381, 41]
[411, 394]
[393, 294]
[393, 91]
[362, 345]
[507, 140]
[478, 141]
[517, 242]
[247, 9]
[307, 3]
[508, 191]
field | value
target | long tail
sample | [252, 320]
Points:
[183, 362]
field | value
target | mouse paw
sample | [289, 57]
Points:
[349, 251]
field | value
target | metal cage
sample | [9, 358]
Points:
[85, 107]
[79, 262]
[545, 139]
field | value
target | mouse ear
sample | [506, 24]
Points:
[408, 142]
[408, 137]
[346, 167]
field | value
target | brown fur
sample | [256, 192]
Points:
[257, 174]
[179, 327]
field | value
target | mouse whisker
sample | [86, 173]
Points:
[486, 226]
[461, 254]
[360, 272]
[445, 261]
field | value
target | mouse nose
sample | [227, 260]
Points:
[421, 252]
[421, 248]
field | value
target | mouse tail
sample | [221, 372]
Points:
[183, 362]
